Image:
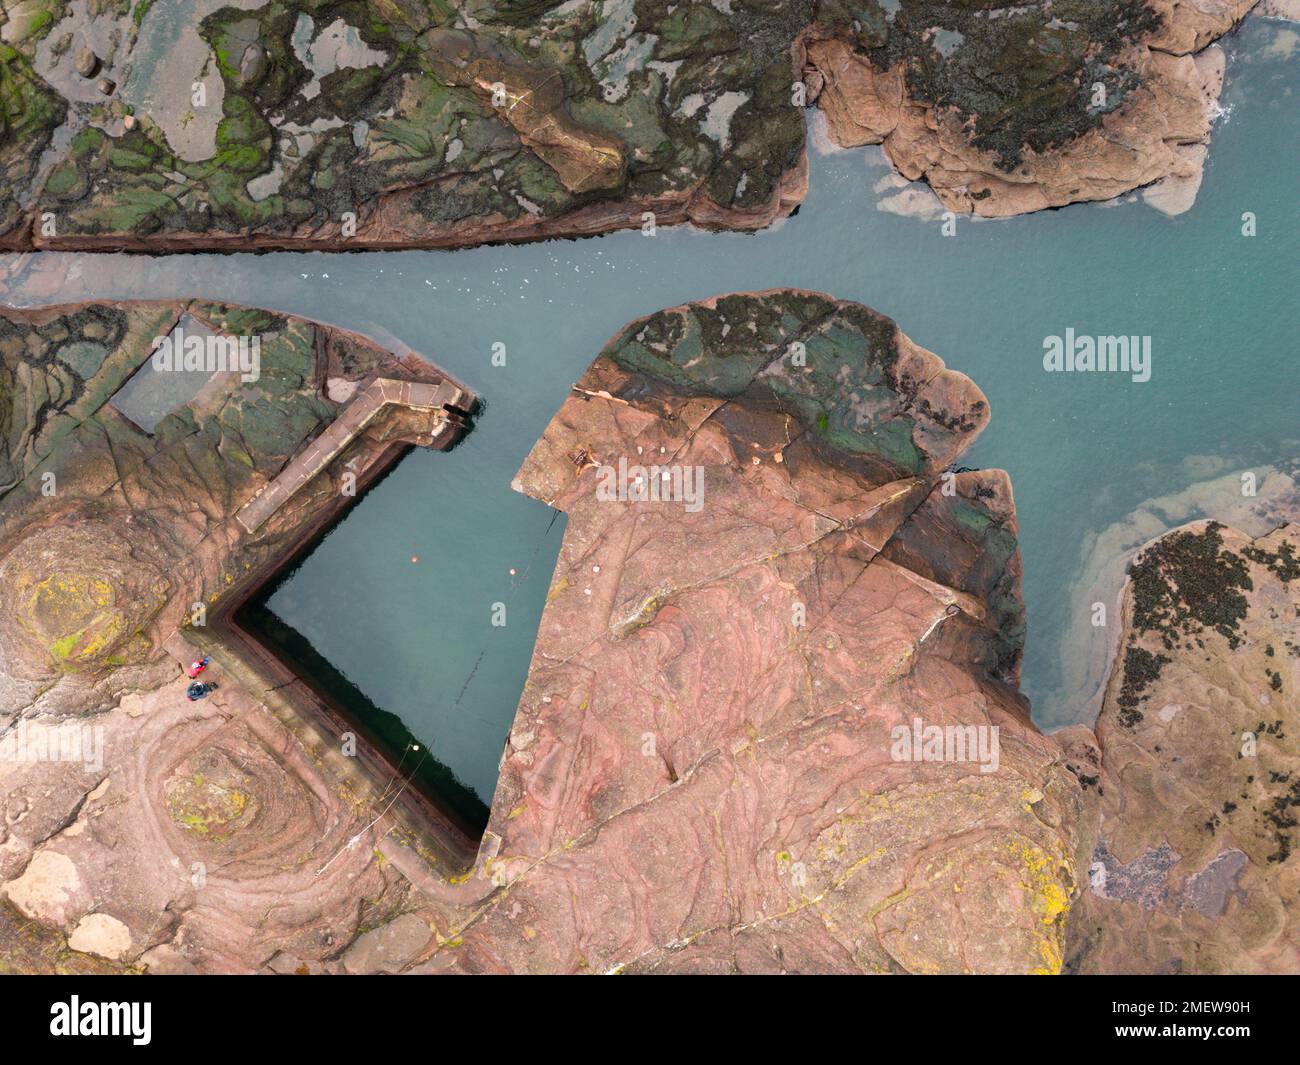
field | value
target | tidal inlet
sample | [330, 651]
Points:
[646, 487]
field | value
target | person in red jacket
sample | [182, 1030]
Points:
[197, 667]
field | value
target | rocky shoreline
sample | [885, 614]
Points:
[428, 126]
[122, 561]
[1192, 870]
[724, 757]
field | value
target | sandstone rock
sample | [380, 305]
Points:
[1193, 867]
[700, 777]
[252, 65]
[133, 704]
[102, 934]
[862, 104]
[340, 390]
[1189, 25]
[645, 111]
[50, 889]
[390, 947]
[705, 773]
[77, 596]
[518, 139]
[1160, 132]
[87, 63]
[213, 828]
[1176, 194]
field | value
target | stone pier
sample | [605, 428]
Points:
[445, 402]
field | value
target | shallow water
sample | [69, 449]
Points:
[1084, 450]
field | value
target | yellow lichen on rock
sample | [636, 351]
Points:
[76, 596]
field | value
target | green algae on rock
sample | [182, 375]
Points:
[1004, 110]
[424, 123]
[401, 123]
[838, 367]
[702, 755]
[121, 555]
[1026, 77]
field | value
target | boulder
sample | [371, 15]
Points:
[102, 934]
[390, 947]
[87, 63]
[252, 64]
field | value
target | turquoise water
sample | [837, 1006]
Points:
[1083, 451]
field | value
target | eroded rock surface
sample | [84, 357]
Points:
[405, 123]
[708, 770]
[401, 123]
[1194, 868]
[1004, 111]
[700, 776]
[136, 828]
[705, 771]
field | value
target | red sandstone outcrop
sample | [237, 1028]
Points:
[1194, 869]
[1189, 25]
[136, 827]
[703, 773]
[1159, 134]
[713, 765]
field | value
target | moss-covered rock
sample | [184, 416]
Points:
[428, 122]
